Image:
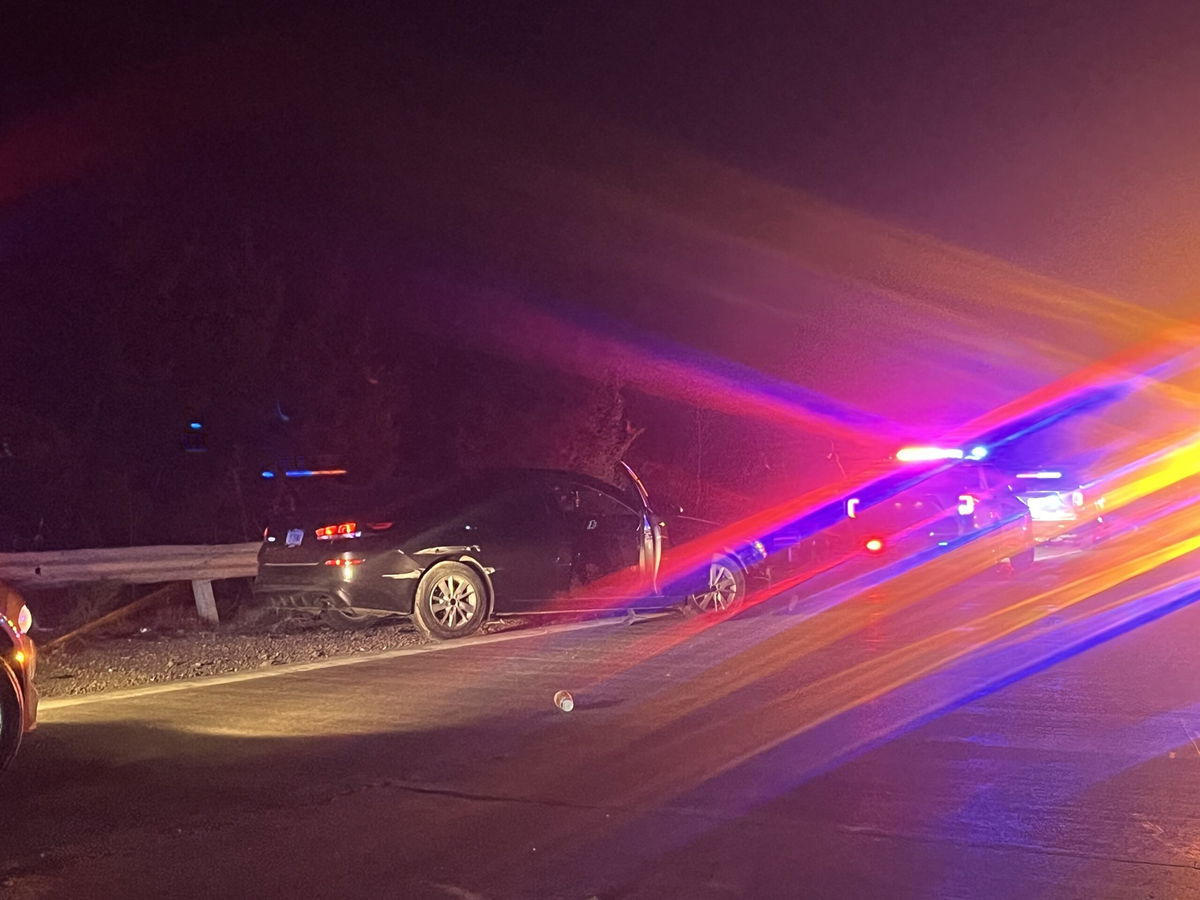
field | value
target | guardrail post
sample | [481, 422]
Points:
[206, 604]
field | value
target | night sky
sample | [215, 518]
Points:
[919, 209]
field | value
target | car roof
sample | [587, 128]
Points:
[515, 473]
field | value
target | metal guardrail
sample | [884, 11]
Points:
[200, 564]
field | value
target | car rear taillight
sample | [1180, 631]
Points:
[340, 563]
[336, 532]
[873, 545]
[380, 526]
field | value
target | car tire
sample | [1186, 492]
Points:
[1023, 560]
[349, 619]
[726, 588]
[451, 602]
[12, 722]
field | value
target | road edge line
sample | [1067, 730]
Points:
[53, 703]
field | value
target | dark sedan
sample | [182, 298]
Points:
[502, 543]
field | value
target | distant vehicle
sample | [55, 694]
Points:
[510, 542]
[948, 497]
[1064, 509]
[941, 499]
[18, 658]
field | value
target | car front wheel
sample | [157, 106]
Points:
[12, 723]
[725, 590]
[451, 602]
[1023, 559]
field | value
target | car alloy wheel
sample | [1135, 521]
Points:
[12, 722]
[453, 602]
[726, 584]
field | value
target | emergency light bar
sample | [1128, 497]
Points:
[927, 454]
[303, 473]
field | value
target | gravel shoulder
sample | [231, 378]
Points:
[151, 656]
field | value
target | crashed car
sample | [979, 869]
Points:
[18, 658]
[510, 542]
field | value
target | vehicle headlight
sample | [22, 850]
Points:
[24, 619]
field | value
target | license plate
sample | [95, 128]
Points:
[295, 537]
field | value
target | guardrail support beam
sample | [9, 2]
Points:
[206, 604]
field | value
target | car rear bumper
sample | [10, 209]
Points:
[1075, 531]
[318, 588]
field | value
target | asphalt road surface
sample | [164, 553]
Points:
[1026, 737]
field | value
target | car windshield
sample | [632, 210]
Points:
[1045, 480]
[948, 482]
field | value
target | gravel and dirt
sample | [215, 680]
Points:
[150, 654]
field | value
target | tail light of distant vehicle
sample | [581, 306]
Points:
[338, 532]
[873, 545]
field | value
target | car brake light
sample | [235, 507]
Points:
[344, 562]
[335, 532]
[874, 545]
